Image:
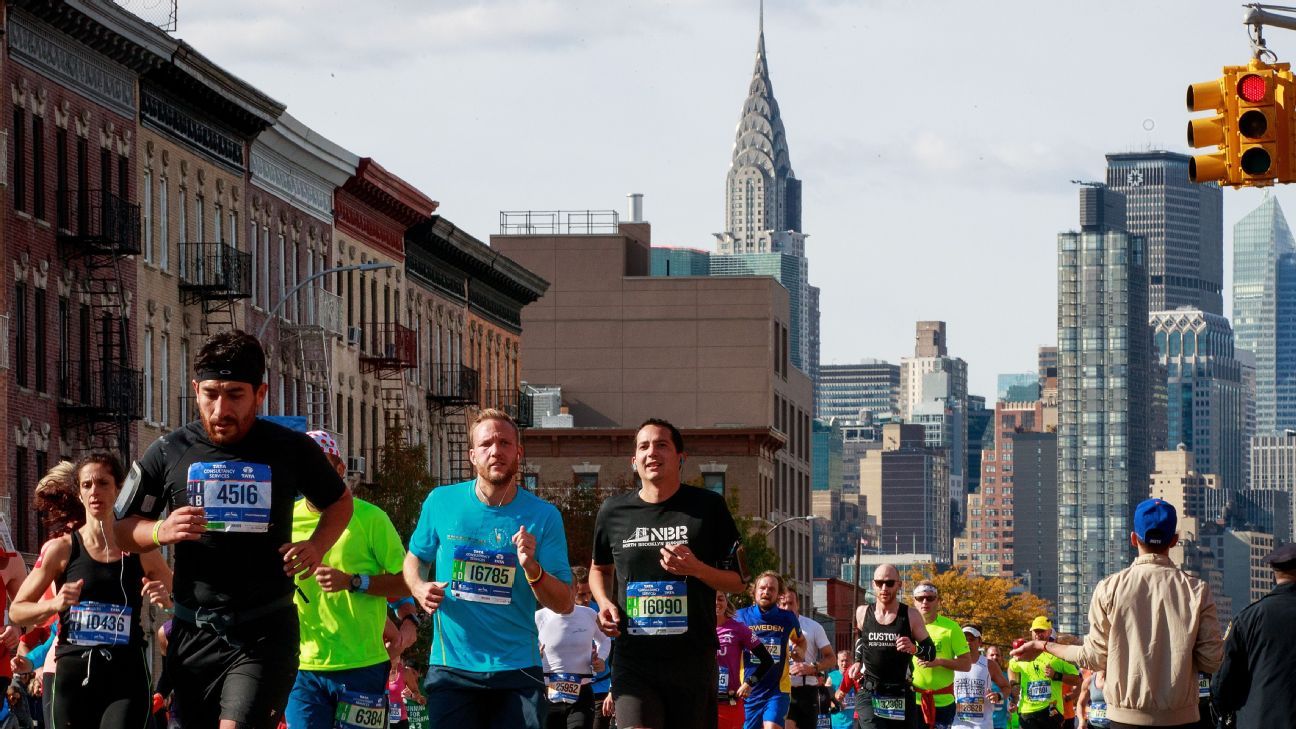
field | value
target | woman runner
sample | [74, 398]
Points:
[101, 679]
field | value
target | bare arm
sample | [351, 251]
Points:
[917, 625]
[28, 608]
[302, 558]
[427, 594]
[135, 533]
[600, 583]
[997, 674]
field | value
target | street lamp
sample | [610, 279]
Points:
[353, 267]
[810, 518]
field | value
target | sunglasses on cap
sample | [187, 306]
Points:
[885, 583]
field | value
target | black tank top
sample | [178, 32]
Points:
[108, 583]
[885, 664]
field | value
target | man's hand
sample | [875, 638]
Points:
[331, 580]
[803, 669]
[183, 524]
[598, 664]
[9, 636]
[609, 706]
[155, 591]
[1029, 650]
[301, 558]
[525, 543]
[904, 645]
[678, 559]
[926, 664]
[854, 671]
[609, 620]
[743, 690]
[20, 664]
[429, 595]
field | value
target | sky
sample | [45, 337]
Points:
[936, 141]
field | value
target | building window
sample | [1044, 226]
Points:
[587, 481]
[530, 481]
[283, 262]
[714, 482]
[19, 507]
[182, 233]
[256, 267]
[42, 367]
[38, 167]
[218, 233]
[123, 176]
[20, 159]
[148, 216]
[164, 225]
[185, 414]
[61, 179]
[200, 220]
[148, 374]
[64, 344]
[164, 378]
[20, 336]
[42, 466]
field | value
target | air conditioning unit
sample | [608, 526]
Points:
[355, 464]
[354, 335]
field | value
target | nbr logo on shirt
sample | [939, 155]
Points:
[647, 537]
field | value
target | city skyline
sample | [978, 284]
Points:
[515, 99]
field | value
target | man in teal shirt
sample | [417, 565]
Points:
[484, 554]
[934, 680]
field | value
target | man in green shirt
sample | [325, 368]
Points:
[1040, 683]
[934, 680]
[343, 611]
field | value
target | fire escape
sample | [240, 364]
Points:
[98, 389]
[454, 389]
[391, 350]
[307, 341]
[215, 275]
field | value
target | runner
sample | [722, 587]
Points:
[572, 651]
[493, 552]
[229, 481]
[844, 689]
[804, 709]
[601, 686]
[669, 548]
[765, 702]
[100, 596]
[891, 634]
[934, 679]
[343, 612]
[734, 638]
[972, 688]
[1039, 682]
[999, 696]
[1093, 704]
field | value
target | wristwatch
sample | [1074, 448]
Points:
[359, 583]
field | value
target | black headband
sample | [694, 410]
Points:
[229, 373]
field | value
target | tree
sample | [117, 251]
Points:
[579, 505]
[759, 554]
[990, 602]
[401, 483]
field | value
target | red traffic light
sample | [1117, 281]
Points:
[1251, 88]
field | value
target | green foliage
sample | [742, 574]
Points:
[579, 505]
[990, 602]
[401, 483]
[760, 555]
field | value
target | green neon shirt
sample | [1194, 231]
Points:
[1034, 680]
[950, 643]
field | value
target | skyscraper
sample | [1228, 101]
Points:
[1105, 406]
[1182, 226]
[1264, 311]
[762, 234]
[1206, 398]
[847, 390]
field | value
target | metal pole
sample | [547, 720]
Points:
[859, 547]
[279, 304]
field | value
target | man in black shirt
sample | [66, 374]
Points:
[660, 555]
[1259, 669]
[229, 481]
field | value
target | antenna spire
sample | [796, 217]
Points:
[762, 17]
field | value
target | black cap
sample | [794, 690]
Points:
[1283, 557]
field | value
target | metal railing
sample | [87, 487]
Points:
[389, 346]
[98, 222]
[101, 390]
[559, 222]
[319, 307]
[453, 384]
[215, 271]
[516, 403]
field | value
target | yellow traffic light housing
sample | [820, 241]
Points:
[1251, 128]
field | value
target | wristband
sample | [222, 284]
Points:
[157, 527]
[538, 577]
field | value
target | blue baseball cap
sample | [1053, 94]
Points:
[1155, 522]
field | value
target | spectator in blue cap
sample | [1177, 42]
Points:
[1152, 628]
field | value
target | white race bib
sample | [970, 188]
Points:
[657, 608]
[99, 623]
[361, 711]
[235, 495]
[483, 575]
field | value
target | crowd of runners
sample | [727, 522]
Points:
[287, 601]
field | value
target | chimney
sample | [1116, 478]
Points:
[634, 207]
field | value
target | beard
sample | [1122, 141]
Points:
[233, 433]
[498, 478]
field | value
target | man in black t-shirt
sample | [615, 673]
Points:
[660, 555]
[229, 482]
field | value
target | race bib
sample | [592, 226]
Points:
[361, 711]
[1039, 690]
[971, 708]
[393, 712]
[1203, 686]
[773, 644]
[483, 575]
[824, 722]
[235, 495]
[563, 688]
[1098, 714]
[657, 608]
[99, 623]
[723, 686]
[889, 707]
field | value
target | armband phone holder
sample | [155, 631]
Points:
[130, 489]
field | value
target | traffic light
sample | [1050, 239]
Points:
[1251, 127]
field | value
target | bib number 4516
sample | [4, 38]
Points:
[238, 494]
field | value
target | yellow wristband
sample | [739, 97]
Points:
[538, 577]
[157, 527]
